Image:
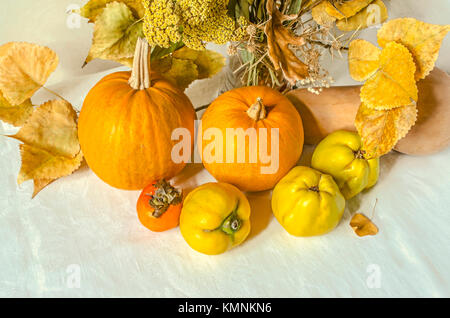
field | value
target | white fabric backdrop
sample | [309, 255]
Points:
[81, 224]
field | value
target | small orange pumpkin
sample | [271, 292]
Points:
[126, 123]
[251, 107]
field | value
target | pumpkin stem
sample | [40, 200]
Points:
[257, 111]
[140, 74]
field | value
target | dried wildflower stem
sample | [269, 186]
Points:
[327, 45]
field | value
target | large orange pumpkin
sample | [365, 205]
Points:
[251, 107]
[126, 123]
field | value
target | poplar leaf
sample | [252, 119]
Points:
[15, 115]
[52, 127]
[363, 59]
[320, 15]
[94, 8]
[346, 9]
[393, 84]
[208, 62]
[50, 148]
[116, 32]
[422, 39]
[24, 68]
[374, 13]
[380, 130]
[179, 72]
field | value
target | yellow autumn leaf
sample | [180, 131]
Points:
[94, 8]
[422, 39]
[24, 68]
[363, 59]
[38, 164]
[40, 184]
[280, 41]
[52, 127]
[346, 9]
[320, 15]
[116, 32]
[375, 13]
[179, 72]
[380, 130]
[50, 148]
[362, 225]
[208, 62]
[393, 84]
[15, 115]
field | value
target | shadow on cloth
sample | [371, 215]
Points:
[261, 211]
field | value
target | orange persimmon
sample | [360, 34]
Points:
[159, 206]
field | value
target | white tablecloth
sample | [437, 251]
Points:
[80, 237]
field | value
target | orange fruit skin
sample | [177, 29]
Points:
[166, 221]
[122, 130]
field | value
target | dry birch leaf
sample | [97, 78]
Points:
[380, 130]
[50, 148]
[363, 59]
[93, 8]
[321, 16]
[362, 225]
[375, 13]
[393, 84]
[186, 65]
[24, 68]
[179, 72]
[422, 39]
[208, 62]
[15, 115]
[52, 127]
[39, 165]
[278, 40]
[346, 9]
[116, 32]
[40, 184]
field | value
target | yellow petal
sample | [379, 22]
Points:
[362, 225]
[116, 32]
[94, 8]
[422, 39]
[375, 13]
[393, 85]
[363, 59]
[347, 9]
[15, 115]
[380, 130]
[24, 68]
[52, 127]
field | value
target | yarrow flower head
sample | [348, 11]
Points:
[162, 22]
[195, 22]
